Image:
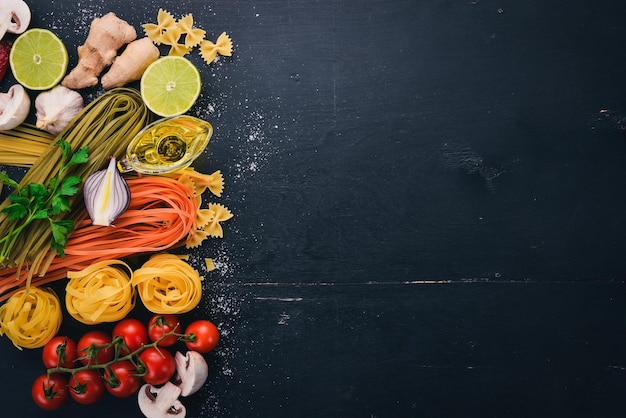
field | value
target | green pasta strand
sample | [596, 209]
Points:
[105, 126]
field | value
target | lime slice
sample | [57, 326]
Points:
[170, 85]
[38, 59]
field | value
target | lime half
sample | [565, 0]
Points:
[170, 85]
[38, 59]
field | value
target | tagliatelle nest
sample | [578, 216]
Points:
[100, 293]
[168, 285]
[182, 36]
[31, 317]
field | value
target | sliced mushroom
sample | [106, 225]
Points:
[161, 402]
[14, 107]
[14, 17]
[192, 371]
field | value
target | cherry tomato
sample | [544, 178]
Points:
[60, 351]
[86, 351]
[164, 324]
[201, 336]
[121, 379]
[160, 365]
[133, 332]
[50, 392]
[86, 386]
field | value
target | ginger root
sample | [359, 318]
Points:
[106, 36]
[131, 64]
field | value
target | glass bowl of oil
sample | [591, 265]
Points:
[167, 145]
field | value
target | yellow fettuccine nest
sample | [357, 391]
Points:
[168, 285]
[100, 293]
[31, 317]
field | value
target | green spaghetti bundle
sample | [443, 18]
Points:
[105, 127]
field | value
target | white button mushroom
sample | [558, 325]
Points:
[14, 16]
[14, 107]
[192, 371]
[155, 402]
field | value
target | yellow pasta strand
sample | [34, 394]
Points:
[21, 146]
[168, 285]
[31, 317]
[100, 293]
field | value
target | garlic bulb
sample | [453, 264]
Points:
[106, 195]
[56, 108]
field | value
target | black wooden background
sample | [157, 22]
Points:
[429, 208]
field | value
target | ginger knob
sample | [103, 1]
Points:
[106, 36]
[131, 64]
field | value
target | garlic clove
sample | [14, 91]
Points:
[56, 108]
[14, 107]
[106, 195]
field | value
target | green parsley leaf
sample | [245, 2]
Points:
[20, 200]
[40, 214]
[5, 179]
[66, 148]
[79, 157]
[60, 204]
[15, 211]
[61, 230]
[68, 186]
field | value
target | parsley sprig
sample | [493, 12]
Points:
[36, 201]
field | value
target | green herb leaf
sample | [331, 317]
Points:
[60, 204]
[37, 190]
[21, 200]
[38, 201]
[66, 148]
[53, 183]
[40, 214]
[5, 179]
[69, 186]
[61, 230]
[15, 211]
[79, 157]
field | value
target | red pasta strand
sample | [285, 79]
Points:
[161, 215]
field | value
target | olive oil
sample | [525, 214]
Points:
[167, 145]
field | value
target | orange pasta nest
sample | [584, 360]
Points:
[164, 213]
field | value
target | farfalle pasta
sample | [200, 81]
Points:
[223, 46]
[31, 317]
[168, 285]
[165, 22]
[213, 228]
[193, 35]
[182, 36]
[199, 182]
[102, 292]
